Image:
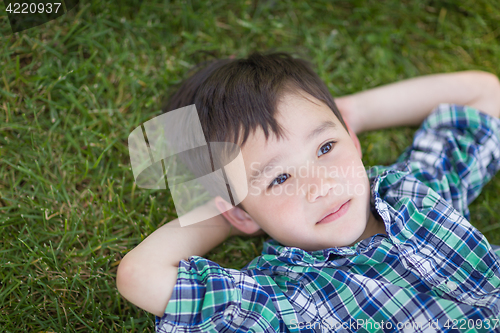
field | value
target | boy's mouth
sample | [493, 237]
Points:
[335, 213]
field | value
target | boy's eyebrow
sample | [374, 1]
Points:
[257, 173]
[320, 129]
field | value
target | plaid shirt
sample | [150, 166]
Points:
[432, 272]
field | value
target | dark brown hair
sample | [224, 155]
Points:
[236, 96]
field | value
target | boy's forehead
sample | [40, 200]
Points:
[300, 116]
[257, 141]
[301, 123]
[269, 152]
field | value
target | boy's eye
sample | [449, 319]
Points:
[326, 148]
[283, 177]
[279, 180]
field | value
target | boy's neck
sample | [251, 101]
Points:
[375, 225]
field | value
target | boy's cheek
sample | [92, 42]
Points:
[280, 216]
[358, 183]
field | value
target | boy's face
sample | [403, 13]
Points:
[318, 172]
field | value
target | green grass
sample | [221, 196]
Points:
[72, 90]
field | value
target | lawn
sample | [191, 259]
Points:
[72, 90]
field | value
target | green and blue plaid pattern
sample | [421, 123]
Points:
[432, 272]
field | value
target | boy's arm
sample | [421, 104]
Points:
[147, 275]
[409, 102]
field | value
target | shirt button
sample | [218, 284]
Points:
[452, 285]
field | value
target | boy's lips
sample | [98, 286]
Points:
[335, 213]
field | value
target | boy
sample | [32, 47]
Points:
[390, 250]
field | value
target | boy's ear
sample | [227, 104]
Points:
[236, 216]
[354, 139]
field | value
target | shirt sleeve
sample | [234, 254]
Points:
[210, 298]
[455, 152]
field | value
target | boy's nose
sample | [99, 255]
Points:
[320, 186]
